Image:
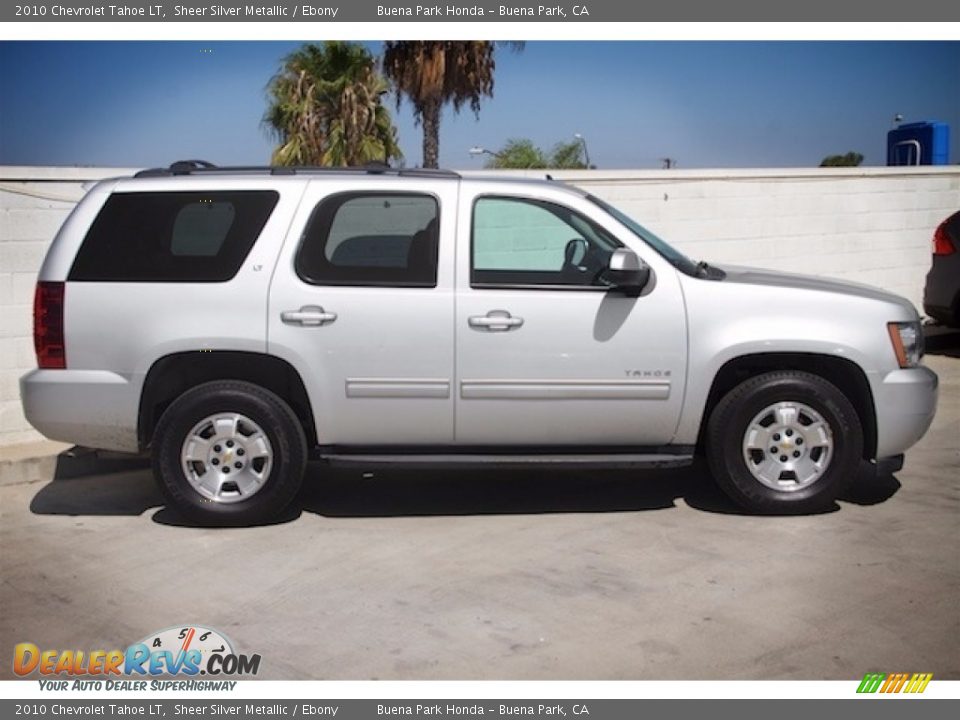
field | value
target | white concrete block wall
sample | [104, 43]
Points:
[871, 225]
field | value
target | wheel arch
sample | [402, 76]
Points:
[172, 375]
[845, 374]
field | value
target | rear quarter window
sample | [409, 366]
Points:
[172, 236]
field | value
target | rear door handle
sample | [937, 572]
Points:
[308, 316]
[495, 320]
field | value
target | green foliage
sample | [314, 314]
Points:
[851, 159]
[521, 153]
[518, 153]
[325, 108]
[568, 156]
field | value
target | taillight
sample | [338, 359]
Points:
[942, 244]
[48, 326]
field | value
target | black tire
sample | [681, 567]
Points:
[281, 479]
[734, 414]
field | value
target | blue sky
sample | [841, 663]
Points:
[706, 104]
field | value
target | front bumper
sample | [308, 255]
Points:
[906, 401]
[94, 408]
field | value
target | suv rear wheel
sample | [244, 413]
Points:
[784, 442]
[229, 452]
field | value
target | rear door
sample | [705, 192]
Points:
[362, 305]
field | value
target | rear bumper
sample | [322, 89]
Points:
[94, 408]
[906, 401]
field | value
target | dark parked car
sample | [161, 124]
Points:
[941, 296]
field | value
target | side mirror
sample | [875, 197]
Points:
[626, 272]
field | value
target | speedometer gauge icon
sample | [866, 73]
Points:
[181, 639]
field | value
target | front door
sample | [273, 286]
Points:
[546, 353]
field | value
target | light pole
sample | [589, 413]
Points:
[477, 150]
[586, 153]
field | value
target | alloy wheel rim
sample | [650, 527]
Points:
[788, 446]
[226, 457]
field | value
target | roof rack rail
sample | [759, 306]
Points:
[182, 167]
[202, 167]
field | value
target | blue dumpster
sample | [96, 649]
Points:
[919, 143]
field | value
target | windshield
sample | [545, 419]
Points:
[673, 256]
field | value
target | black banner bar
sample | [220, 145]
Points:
[874, 709]
[329, 11]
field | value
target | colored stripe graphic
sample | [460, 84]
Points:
[894, 683]
[871, 682]
[918, 683]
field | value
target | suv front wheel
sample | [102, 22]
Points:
[784, 442]
[229, 452]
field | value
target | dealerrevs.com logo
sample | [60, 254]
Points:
[188, 650]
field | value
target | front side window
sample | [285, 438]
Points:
[520, 242]
[676, 258]
[387, 239]
[172, 236]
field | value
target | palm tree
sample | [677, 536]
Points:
[433, 73]
[326, 108]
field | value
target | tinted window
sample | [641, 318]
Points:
[201, 228]
[371, 239]
[173, 237]
[529, 242]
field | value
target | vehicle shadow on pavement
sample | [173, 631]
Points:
[408, 493]
[871, 487]
[130, 492]
[504, 492]
[126, 487]
[341, 493]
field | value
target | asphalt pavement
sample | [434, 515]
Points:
[505, 575]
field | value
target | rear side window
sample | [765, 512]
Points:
[173, 237]
[385, 239]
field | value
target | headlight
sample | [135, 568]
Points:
[907, 339]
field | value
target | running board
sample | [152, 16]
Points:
[500, 461]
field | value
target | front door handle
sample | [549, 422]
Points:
[308, 316]
[495, 320]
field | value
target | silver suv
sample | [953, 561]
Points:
[236, 322]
